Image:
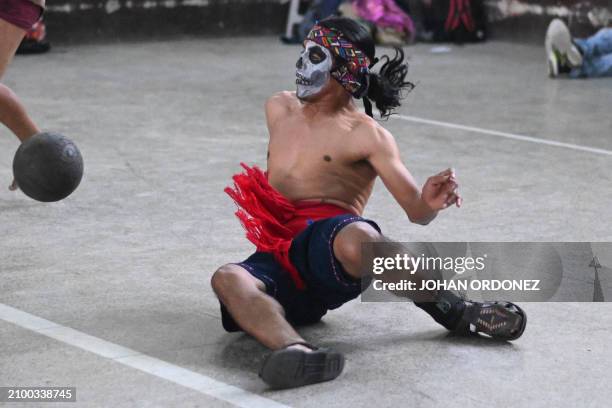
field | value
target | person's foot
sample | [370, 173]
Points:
[300, 364]
[561, 53]
[13, 186]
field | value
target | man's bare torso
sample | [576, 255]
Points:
[320, 157]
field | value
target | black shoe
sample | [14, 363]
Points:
[292, 367]
[35, 41]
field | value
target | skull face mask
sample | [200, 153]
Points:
[313, 69]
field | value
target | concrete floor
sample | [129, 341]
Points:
[163, 126]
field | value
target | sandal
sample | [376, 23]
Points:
[499, 320]
[290, 367]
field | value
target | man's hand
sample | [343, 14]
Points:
[441, 191]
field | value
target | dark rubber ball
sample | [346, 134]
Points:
[48, 167]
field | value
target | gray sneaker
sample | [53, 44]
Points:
[561, 53]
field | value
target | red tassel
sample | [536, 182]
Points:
[263, 212]
[270, 220]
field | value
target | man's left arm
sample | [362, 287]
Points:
[421, 205]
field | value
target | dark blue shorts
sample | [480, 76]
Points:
[328, 286]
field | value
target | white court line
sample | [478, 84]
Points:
[137, 360]
[505, 135]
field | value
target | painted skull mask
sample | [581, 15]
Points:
[313, 69]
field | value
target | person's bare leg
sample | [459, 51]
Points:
[14, 116]
[10, 38]
[12, 112]
[257, 313]
[348, 249]
[289, 365]
[446, 308]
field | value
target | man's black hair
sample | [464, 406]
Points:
[385, 87]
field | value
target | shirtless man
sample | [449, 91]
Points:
[16, 17]
[304, 214]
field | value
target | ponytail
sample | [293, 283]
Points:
[386, 88]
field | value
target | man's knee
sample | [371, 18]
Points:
[232, 278]
[347, 245]
[224, 279]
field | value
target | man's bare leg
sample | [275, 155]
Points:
[257, 313]
[500, 320]
[12, 112]
[348, 249]
[289, 365]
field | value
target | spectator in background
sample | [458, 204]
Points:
[16, 17]
[317, 10]
[387, 22]
[400, 22]
[394, 26]
[419, 11]
[578, 58]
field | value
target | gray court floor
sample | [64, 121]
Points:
[162, 127]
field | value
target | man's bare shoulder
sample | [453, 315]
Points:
[372, 132]
[279, 106]
[282, 100]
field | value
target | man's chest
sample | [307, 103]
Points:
[295, 141]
